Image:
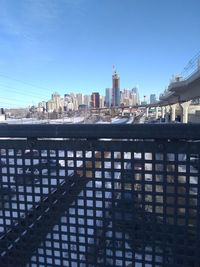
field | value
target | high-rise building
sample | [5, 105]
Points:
[115, 89]
[128, 97]
[51, 106]
[102, 101]
[68, 103]
[125, 97]
[79, 98]
[74, 101]
[59, 102]
[135, 90]
[87, 100]
[42, 106]
[133, 99]
[95, 100]
[56, 103]
[152, 98]
[108, 98]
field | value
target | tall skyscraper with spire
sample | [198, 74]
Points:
[115, 88]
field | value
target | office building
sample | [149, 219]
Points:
[42, 106]
[87, 100]
[136, 92]
[79, 98]
[102, 101]
[95, 100]
[152, 98]
[68, 103]
[108, 97]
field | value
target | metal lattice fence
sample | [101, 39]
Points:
[103, 202]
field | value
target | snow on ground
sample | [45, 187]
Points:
[25, 121]
[35, 121]
[103, 122]
[131, 120]
[73, 120]
[119, 120]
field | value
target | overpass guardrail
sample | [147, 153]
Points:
[191, 68]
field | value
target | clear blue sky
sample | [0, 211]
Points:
[71, 45]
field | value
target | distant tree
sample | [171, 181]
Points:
[53, 115]
[32, 109]
[60, 110]
[28, 115]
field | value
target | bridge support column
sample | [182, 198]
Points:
[167, 113]
[185, 106]
[147, 112]
[162, 112]
[173, 112]
[156, 113]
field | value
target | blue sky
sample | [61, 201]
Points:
[71, 45]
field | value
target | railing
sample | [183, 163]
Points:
[191, 68]
[99, 195]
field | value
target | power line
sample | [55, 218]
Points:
[11, 99]
[24, 82]
[3, 103]
[18, 91]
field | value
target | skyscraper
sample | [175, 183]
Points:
[56, 103]
[115, 89]
[108, 98]
[68, 102]
[79, 98]
[87, 100]
[102, 101]
[95, 100]
[152, 98]
[135, 90]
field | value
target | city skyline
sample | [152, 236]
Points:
[70, 46]
[74, 102]
[116, 97]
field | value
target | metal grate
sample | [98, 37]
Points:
[99, 203]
